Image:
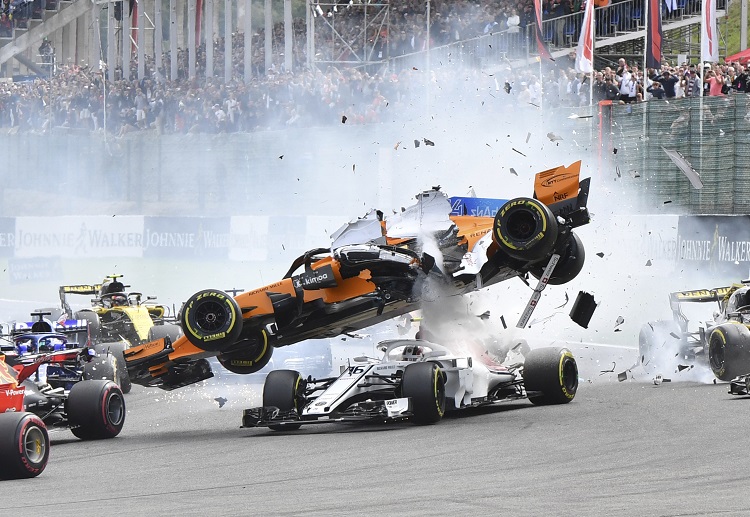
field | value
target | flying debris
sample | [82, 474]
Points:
[622, 376]
[674, 335]
[602, 372]
[502, 320]
[648, 262]
[620, 320]
[221, 401]
[583, 309]
[507, 87]
[681, 367]
[614, 151]
[281, 157]
[484, 316]
[528, 135]
[343, 119]
[685, 166]
[635, 174]
[396, 146]
[513, 171]
[428, 142]
[416, 143]
[575, 116]
[354, 166]
[667, 201]
[600, 254]
[553, 137]
[519, 152]
[565, 303]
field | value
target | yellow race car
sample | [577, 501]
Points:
[378, 267]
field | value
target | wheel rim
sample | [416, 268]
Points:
[210, 316]
[716, 355]
[522, 225]
[35, 444]
[115, 409]
[570, 376]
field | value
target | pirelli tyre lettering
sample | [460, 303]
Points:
[211, 320]
[525, 229]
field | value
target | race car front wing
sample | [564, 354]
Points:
[390, 410]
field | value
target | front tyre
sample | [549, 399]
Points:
[211, 320]
[525, 229]
[285, 390]
[24, 445]
[424, 384]
[96, 410]
[550, 376]
[729, 351]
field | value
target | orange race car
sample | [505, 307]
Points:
[376, 268]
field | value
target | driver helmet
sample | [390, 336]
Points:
[119, 299]
[26, 346]
[739, 298]
[412, 353]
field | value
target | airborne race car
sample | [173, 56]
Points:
[723, 343]
[415, 379]
[92, 409]
[375, 269]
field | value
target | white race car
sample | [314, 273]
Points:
[415, 379]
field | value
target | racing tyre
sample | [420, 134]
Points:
[94, 333]
[284, 389]
[24, 445]
[525, 229]
[115, 350]
[550, 376]
[96, 410]
[212, 320]
[729, 351]
[256, 354]
[424, 383]
[572, 257]
[170, 330]
[102, 369]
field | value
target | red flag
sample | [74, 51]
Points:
[541, 45]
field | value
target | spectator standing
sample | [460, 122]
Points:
[656, 90]
[668, 82]
[692, 84]
[715, 83]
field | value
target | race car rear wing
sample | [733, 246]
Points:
[86, 289]
[677, 298]
[562, 190]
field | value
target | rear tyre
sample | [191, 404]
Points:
[212, 320]
[24, 445]
[96, 410]
[284, 389]
[525, 229]
[255, 354]
[729, 351]
[572, 257]
[550, 376]
[424, 383]
[170, 330]
[94, 332]
[115, 350]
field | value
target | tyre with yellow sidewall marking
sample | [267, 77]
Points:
[550, 375]
[211, 320]
[284, 389]
[248, 355]
[525, 229]
[729, 351]
[424, 383]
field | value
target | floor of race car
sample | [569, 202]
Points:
[629, 447]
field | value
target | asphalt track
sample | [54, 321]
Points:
[620, 448]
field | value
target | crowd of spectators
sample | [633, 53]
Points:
[80, 97]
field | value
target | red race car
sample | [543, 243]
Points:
[376, 268]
